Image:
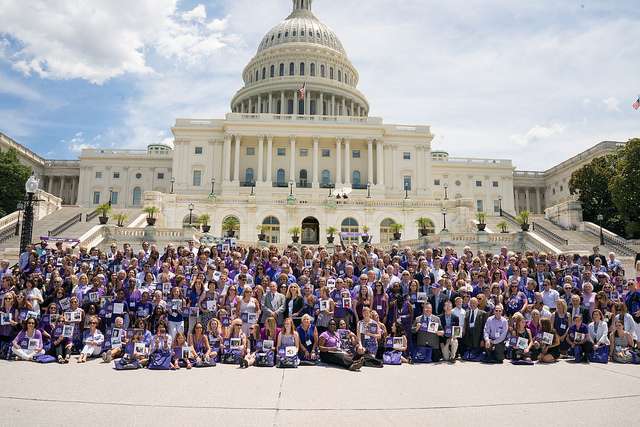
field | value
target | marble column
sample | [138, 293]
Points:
[316, 143]
[347, 162]
[236, 162]
[292, 159]
[338, 180]
[380, 155]
[269, 159]
[370, 161]
[226, 159]
[260, 159]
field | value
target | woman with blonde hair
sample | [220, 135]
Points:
[288, 345]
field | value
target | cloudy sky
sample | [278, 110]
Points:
[534, 81]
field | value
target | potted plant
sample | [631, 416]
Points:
[397, 230]
[204, 222]
[365, 234]
[104, 210]
[482, 221]
[151, 212]
[424, 225]
[295, 234]
[120, 218]
[331, 231]
[230, 225]
[523, 220]
[262, 232]
[503, 226]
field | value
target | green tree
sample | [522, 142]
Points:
[591, 184]
[624, 187]
[13, 176]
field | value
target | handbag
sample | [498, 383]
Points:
[160, 360]
[422, 355]
[473, 355]
[126, 364]
[635, 357]
[601, 355]
[44, 358]
[265, 359]
[392, 358]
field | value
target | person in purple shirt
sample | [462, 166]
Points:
[495, 333]
[28, 344]
[579, 339]
[332, 353]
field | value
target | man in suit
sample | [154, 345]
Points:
[576, 308]
[474, 322]
[273, 304]
[426, 338]
[540, 275]
[449, 343]
[596, 254]
[437, 299]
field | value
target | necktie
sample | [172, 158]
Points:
[472, 318]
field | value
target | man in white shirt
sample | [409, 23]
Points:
[550, 296]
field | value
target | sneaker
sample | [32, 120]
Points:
[60, 359]
[66, 359]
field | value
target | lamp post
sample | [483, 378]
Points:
[444, 219]
[173, 181]
[190, 213]
[31, 187]
[330, 191]
[253, 188]
[406, 191]
[213, 187]
[600, 219]
[368, 190]
[500, 204]
[110, 195]
[291, 188]
[446, 194]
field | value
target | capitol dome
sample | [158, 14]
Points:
[300, 52]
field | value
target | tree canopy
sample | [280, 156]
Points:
[13, 176]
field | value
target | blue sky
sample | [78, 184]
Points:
[534, 81]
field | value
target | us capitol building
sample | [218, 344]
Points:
[299, 139]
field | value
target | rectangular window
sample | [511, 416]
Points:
[406, 155]
[436, 182]
[96, 197]
[304, 152]
[355, 154]
[495, 184]
[251, 151]
[478, 183]
[198, 150]
[407, 183]
[281, 151]
[326, 152]
[114, 197]
[480, 205]
[116, 175]
[496, 206]
[98, 175]
[197, 178]
[160, 175]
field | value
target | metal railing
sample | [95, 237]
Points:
[66, 225]
[91, 215]
[616, 243]
[549, 234]
[508, 216]
[7, 234]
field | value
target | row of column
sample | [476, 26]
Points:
[336, 106]
[66, 188]
[525, 202]
[267, 177]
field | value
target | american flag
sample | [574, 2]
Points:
[636, 104]
[302, 91]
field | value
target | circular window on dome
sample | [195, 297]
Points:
[458, 183]
[138, 175]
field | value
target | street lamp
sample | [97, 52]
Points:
[500, 204]
[444, 219]
[31, 187]
[110, 195]
[406, 191]
[213, 187]
[253, 188]
[330, 191]
[600, 219]
[173, 181]
[291, 188]
[190, 213]
[446, 195]
[368, 190]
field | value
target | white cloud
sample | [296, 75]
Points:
[611, 104]
[103, 39]
[537, 133]
[15, 88]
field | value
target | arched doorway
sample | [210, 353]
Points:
[386, 233]
[310, 231]
[350, 227]
[271, 229]
[137, 196]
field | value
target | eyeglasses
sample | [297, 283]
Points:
[93, 323]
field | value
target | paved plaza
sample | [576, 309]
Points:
[461, 394]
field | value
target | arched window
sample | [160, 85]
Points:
[322, 73]
[330, 73]
[355, 178]
[302, 68]
[257, 75]
[290, 106]
[325, 178]
[280, 178]
[264, 73]
[386, 234]
[272, 71]
[271, 229]
[292, 69]
[281, 70]
[312, 70]
[137, 196]
[350, 225]
[248, 176]
[231, 226]
[339, 75]
[303, 178]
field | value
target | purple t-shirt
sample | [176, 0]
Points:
[330, 340]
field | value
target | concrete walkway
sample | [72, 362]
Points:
[460, 394]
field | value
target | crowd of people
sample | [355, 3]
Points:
[350, 306]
